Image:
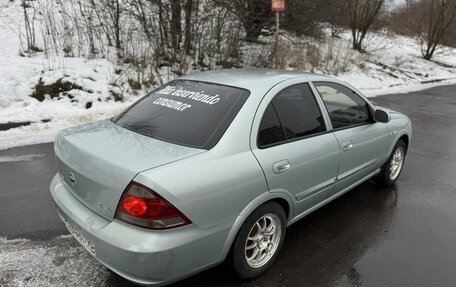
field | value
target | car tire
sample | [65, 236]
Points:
[392, 168]
[259, 240]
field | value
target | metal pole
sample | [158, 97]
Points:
[276, 64]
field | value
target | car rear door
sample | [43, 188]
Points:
[363, 142]
[291, 141]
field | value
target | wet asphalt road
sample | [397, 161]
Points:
[399, 236]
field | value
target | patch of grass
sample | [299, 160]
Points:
[135, 85]
[150, 82]
[35, 49]
[54, 89]
[68, 51]
[116, 96]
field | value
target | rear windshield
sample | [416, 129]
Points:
[189, 113]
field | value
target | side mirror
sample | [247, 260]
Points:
[382, 116]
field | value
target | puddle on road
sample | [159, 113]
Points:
[56, 262]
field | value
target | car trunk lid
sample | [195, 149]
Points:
[97, 161]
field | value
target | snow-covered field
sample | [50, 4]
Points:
[19, 74]
[395, 66]
[392, 65]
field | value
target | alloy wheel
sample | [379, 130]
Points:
[263, 240]
[396, 163]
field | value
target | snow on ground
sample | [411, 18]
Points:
[19, 74]
[392, 65]
[395, 65]
[65, 264]
[18, 158]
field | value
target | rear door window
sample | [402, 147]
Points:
[189, 113]
[299, 112]
[291, 115]
[271, 131]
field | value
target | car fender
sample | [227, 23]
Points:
[399, 130]
[263, 198]
[396, 136]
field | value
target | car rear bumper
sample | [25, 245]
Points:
[142, 256]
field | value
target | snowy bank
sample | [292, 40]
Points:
[392, 64]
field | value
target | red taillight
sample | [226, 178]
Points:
[143, 207]
[133, 205]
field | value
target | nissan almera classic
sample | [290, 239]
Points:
[216, 165]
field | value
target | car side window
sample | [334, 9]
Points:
[345, 107]
[292, 114]
[271, 130]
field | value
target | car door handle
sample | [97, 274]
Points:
[281, 166]
[347, 146]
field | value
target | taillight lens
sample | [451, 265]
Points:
[143, 207]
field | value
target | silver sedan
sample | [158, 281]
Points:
[216, 165]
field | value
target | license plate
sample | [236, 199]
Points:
[80, 238]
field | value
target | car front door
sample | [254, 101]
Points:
[296, 150]
[363, 142]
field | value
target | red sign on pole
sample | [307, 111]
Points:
[278, 5]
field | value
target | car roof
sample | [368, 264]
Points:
[250, 79]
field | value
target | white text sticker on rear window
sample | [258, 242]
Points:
[172, 104]
[199, 96]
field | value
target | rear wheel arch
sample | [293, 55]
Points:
[282, 199]
[259, 240]
[285, 205]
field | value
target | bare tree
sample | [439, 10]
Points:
[176, 23]
[29, 26]
[438, 16]
[188, 25]
[253, 14]
[305, 16]
[333, 13]
[116, 22]
[450, 36]
[433, 21]
[113, 9]
[362, 14]
[301, 17]
[109, 14]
